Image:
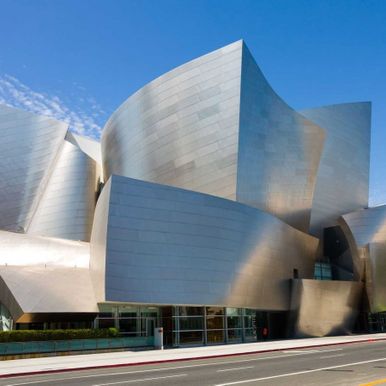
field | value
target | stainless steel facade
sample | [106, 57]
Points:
[279, 151]
[212, 191]
[342, 184]
[165, 245]
[28, 147]
[214, 125]
[325, 307]
[366, 232]
[44, 275]
[182, 128]
[66, 207]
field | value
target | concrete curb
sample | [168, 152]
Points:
[65, 370]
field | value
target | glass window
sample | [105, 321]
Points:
[234, 321]
[128, 325]
[235, 335]
[215, 336]
[191, 323]
[250, 334]
[191, 337]
[214, 311]
[234, 311]
[214, 322]
[322, 271]
[106, 322]
[189, 311]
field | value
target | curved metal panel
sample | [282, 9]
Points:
[89, 146]
[66, 207]
[182, 128]
[214, 125]
[41, 274]
[166, 245]
[343, 179]
[28, 148]
[98, 242]
[324, 307]
[47, 290]
[21, 250]
[279, 151]
[366, 232]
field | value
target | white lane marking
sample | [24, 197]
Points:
[331, 350]
[300, 372]
[149, 370]
[300, 351]
[235, 369]
[141, 380]
[333, 356]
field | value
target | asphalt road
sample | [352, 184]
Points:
[353, 364]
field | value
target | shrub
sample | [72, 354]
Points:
[39, 335]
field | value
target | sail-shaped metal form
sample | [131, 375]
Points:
[28, 149]
[214, 125]
[342, 184]
[208, 198]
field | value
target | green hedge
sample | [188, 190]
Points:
[38, 335]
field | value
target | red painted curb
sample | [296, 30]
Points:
[42, 372]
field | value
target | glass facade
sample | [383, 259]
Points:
[322, 271]
[185, 325]
[377, 322]
[213, 325]
[129, 320]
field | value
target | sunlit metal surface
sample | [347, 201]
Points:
[171, 246]
[88, 146]
[40, 274]
[324, 307]
[20, 249]
[182, 128]
[366, 232]
[343, 178]
[39, 289]
[214, 125]
[28, 148]
[66, 207]
[257, 174]
[98, 242]
[279, 151]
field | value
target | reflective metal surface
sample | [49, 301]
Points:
[40, 274]
[66, 207]
[258, 176]
[165, 245]
[343, 178]
[98, 242]
[214, 125]
[324, 307]
[366, 232]
[46, 290]
[20, 250]
[182, 128]
[279, 151]
[88, 146]
[28, 147]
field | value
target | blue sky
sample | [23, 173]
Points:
[79, 60]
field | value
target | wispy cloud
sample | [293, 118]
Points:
[85, 118]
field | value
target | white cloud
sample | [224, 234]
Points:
[84, 119]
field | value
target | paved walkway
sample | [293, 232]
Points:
[127, 358]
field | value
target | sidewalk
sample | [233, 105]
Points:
[129, 358]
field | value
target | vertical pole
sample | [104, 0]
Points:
[116, 316]
[243, 324]
[205, 330]
[225, 325]
[176, 328]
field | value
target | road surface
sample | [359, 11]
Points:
[352, 364]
